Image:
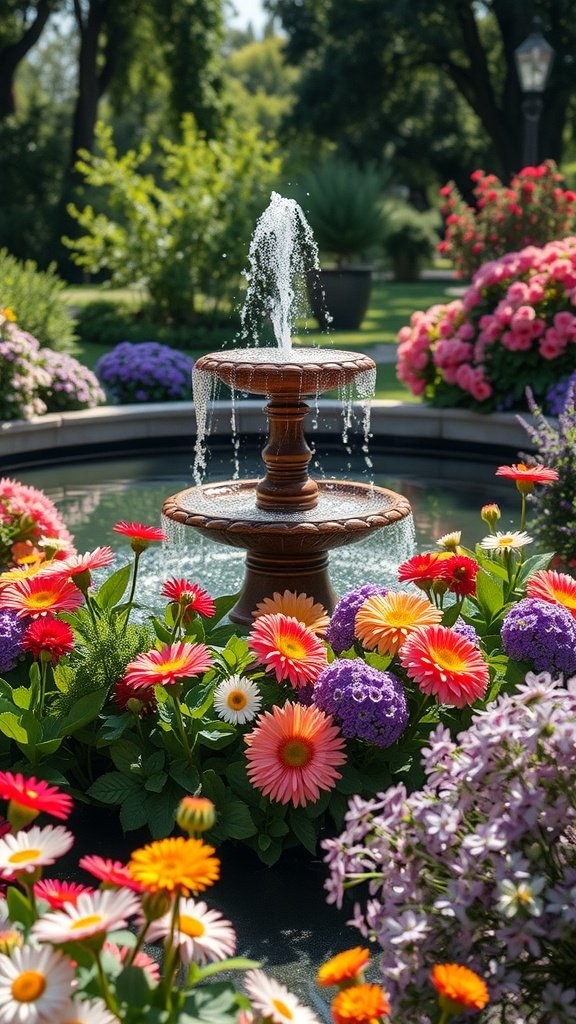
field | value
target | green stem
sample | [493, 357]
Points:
[181, 728]
[42, 691]
[132, 587]
[523, 511]
[177, 623]
[172, 958]
[444, 1017]
[138, 946]
[104, 986]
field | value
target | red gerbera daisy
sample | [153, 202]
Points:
[422, 569]
[144, 695]
[446, 665]
[57, 893]
[40, 595]
[168, 665]
[48, 635]
[34, 795]
[293, 754]
[291, 650]
[459, 573]
[140, 535]
[555, 587]
[111, 872]
[526, 476]
[189, 594]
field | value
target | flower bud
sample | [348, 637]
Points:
[9, 940]
[156, 904]
[20, 816]
[490, 514]
[195, 814]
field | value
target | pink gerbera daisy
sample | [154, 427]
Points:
[293, 754]
[78, 564]
[446, 665]
[35, 795]
[50, 636]
[554, 587]
[111, 872]
[288, 648]
[57, 893]
[140, 536]
[40, 595]
[191, 595]
[168, 665]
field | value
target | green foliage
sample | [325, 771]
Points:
[35, 298]
[261, 83]
[107, 323]
[410, 240]
[343, 204]
[182, 233]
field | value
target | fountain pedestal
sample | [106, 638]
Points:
[286, 522]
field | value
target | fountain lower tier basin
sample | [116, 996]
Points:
[285, 550]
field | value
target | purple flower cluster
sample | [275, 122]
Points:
[543, 633]
[21, 374]
[72, 386]
[367, 704]
[478, 868]
[340, 632]
[557, 394]
[145, 372]
[468, 632]
[12, 630]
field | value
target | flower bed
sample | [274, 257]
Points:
[145, 372]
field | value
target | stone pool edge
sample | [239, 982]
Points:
[111, 425]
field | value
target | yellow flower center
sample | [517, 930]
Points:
[28, 987]
[284, 1010]
[32, 793]
[291, 647]
[295, 752]
[191, 926]
[237, 700]
[448, 659]
[171, 666]
[41, 599]
[568, 600]
[23, 856]
[87, 922]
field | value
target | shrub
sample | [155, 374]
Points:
[105, 323]
[181, 232]
[147, 372]
[35, 297]
[72, 386]
[410, 240]
[532, 210]
[515, 327]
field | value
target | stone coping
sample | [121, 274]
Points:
[103, 429]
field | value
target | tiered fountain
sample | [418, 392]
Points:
[286, 521]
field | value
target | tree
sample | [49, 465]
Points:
[21, 25]
[358, 56]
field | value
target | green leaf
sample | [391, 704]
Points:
[85, 710]
[125, 755]
[114, 727]
[490, 593]
[213, 1004]
[217, 738]
[133, 987]
[236, 963]
[240, 783]
[134, 811]
[184, 774]
[11, 726]
[155, 783]
[304, 830]
[162, 632]
[19, 908]
[22, 697]
[162, 812]
[112, 788]
[451, 614]
[237, 820]
[223, 606]
[213, 788]
[112, 590]
[154, 762]
[198, 699]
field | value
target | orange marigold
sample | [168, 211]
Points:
[360, 1004]
[175, 865]
[459, 988]
[344, 968]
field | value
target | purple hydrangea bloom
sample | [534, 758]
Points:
[12, 630]
[543, 633]
[468, 632]
[368, 704]
[340, 632]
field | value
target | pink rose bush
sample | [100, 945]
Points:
[515, 327]
[532, 210]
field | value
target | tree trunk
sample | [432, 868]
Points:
[12, 55]
[86, 109]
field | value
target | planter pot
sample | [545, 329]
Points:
[344, 293]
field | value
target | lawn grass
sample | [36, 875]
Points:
[391, 306]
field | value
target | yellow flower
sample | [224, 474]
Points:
[175, 865]
[8, 314]
[295, 606]
[385, 620]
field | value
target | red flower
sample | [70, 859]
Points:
[50, 635]
[140, 535]
[422, 569]
[124, 692]
[168, 665]
[34, 794]
[459, 573]
[57, 893]
[40, 595]
[191, 595]
[112, 872]
[524, 474]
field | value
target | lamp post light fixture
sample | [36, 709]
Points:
[533, 59]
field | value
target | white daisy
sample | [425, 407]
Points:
[202, 935]
[272, 1000]
[25, 851]
[450, 541]
[237, 700]
[94, 913]
[84, 1011]
[505, 541]
[35, 985]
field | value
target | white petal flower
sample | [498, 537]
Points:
[273, 1001]
[450, 541]
[94, 913]
[237, 700]
[202, 935]
[35, 985]
[83, 1011]
[25, 851]
[505, 541]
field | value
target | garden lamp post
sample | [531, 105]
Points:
[533, 63]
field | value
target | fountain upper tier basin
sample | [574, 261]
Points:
[304, 372]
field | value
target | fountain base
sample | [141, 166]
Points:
[286, 550]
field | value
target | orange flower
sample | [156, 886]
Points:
[344, 968]
[295, 606]
[459, 988]
[526, 476]
[555, 587]
[385, 620]
[360, 1004]
[175, 865]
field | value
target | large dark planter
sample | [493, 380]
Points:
[344, 293]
